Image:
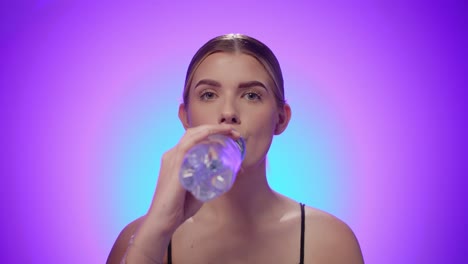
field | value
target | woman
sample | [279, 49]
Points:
[234, 86]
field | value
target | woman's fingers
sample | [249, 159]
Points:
[197, 134]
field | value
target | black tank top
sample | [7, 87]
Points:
[301, 255]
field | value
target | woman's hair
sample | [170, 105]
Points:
[233, 43]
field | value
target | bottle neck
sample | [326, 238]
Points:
[241, 144]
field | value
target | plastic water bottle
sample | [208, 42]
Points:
[209, 168]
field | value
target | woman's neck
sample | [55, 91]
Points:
[248, 202]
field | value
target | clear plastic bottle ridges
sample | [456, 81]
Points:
[209, 168]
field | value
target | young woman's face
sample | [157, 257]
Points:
[236, 89]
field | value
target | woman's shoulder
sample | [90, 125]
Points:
[329, 238]
[121, 243]
[321, 218]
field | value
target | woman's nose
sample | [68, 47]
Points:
[229, 118]
[229, 115]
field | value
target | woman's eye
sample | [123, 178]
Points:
[251, 96]
[207, 95]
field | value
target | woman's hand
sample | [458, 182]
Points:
[172, 204]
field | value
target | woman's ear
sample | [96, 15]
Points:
[284, 115]
[183, 116]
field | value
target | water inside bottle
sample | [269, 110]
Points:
[207, 170]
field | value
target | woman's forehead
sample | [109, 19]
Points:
[231, 66]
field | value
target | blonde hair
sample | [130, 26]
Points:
[244, 44]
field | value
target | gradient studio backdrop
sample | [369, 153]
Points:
[378, 134]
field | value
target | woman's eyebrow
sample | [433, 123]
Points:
[208, 82]
[252, 84]
[244, 85]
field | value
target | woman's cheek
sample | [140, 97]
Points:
[256, 151]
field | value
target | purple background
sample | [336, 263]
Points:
[378, 135]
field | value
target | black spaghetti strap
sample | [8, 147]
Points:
[302, 233]
[169, 252]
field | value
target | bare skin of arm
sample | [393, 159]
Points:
[121, 244]
[170, 207]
